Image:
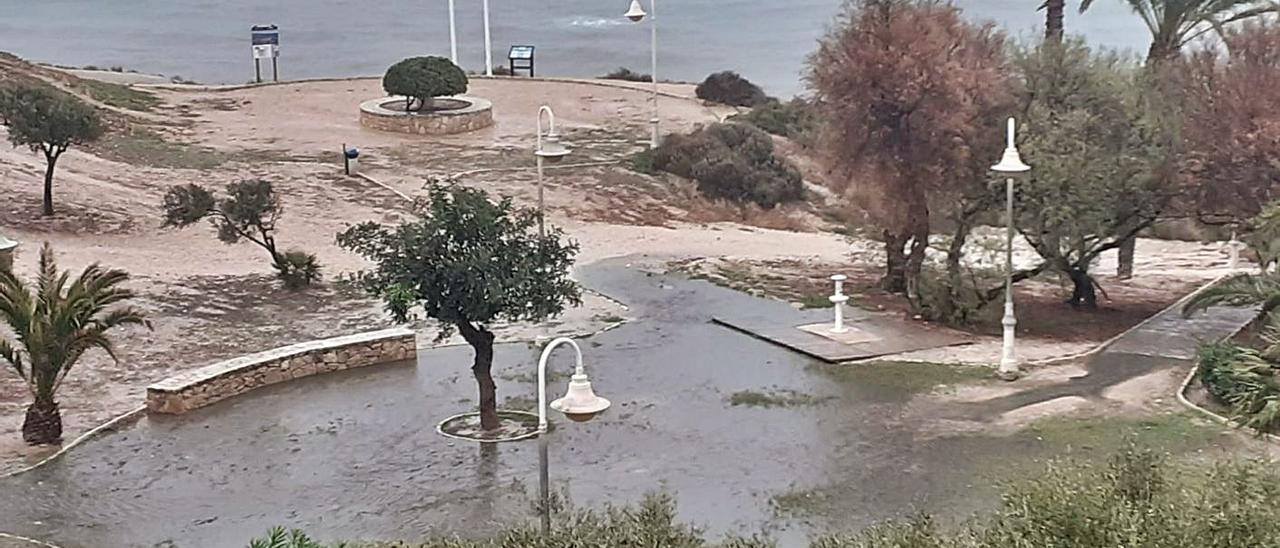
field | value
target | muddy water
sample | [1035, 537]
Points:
[355, 455]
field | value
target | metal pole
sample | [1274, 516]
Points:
[544, 484]
[453, 35]
[653, 25]
[257, 70]
[488, 44]
[1008, 362]
[542, 231]
[275, 70]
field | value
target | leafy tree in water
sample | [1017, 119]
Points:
[421, 79]
[468, 262]
[53, 323]
[248, 212]
[1092, 185]
[48, 121]
[914, 99]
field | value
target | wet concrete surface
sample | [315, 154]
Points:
[354, 455]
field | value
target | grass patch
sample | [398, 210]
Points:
[815, 301]
[608, 318]
[1173, 432]
[775, 398]
[914, 377]
[119, 96]
[800, 503]
[143, 147]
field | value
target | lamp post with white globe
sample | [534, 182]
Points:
[636, 13]
[549, 149]
[580, 403]
[1010, 164]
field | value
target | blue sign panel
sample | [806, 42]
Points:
[268, 35]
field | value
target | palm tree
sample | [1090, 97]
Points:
[1175, 23]
[1054, 13]
[53, 324]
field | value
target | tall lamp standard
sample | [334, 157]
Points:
[1010, 164]
[636, 13]
[580, 404]
[488, 43]
[550, 149]
[453, 35]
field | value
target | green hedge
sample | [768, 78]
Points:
[731, 161]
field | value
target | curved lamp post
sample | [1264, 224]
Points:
[579, 403]
[1010, 164]
[551, 150]
[636, 14]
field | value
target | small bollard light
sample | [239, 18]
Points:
[838, 299]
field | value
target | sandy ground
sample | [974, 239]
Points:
[211, 301]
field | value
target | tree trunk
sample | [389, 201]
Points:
[43, 423]
[1054, 11]
[481, 340]
[1082, 292]
[1124, 269]
[52, 160]
[919, 244]
[895, 276]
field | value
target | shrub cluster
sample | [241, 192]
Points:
[792, 119]
[422, 78]
[624, 73]
[297, 269]
[731, 161]
[730, 88]
[1244, 379]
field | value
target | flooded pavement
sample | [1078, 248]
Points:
[355, 455]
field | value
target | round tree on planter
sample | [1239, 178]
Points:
[420, 79]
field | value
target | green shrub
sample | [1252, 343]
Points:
[626, 74]
[793, 119]
[642, 162]
[278, 537]
[420, 79]
[730, 88]
[733, 162]
[297, 269]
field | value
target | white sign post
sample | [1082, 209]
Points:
[266, 45]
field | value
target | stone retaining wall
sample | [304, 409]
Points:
[478, 114]
[204, 386]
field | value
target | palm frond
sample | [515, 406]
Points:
[1240, 290]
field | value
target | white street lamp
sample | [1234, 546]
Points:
[552, 151]
[1010, 164]
[453, 35]
[579, 403]
[636, 14]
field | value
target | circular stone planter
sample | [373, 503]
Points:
[512, 426]
[446, 116]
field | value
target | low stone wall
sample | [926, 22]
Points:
[478, 114]
[213, 383]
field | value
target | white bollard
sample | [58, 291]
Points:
[838, 299]
[1234, 252]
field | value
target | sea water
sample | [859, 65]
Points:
[208, 40]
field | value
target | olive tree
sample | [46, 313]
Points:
[420, 79]
[467, 262]
[249, 211]
[1094, 154]
[47, 121]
